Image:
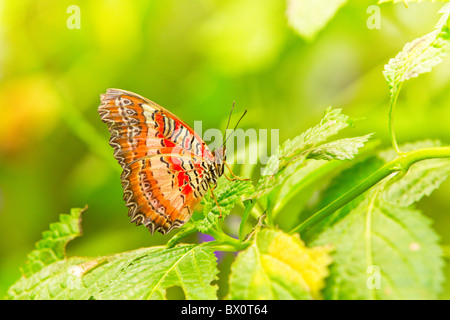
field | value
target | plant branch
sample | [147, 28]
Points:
[223, 239]
[392, 104]
[400, 164]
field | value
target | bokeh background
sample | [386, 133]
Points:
[194, 57]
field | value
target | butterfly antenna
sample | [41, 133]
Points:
[229, 117]
[224, 143]
[228, 123]
[235, 176]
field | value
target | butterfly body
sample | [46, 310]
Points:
[167, 167]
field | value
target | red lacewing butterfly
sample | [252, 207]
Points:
[167, 167]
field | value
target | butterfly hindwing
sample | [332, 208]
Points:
[166, 166]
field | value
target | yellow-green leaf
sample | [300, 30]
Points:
[279, 266]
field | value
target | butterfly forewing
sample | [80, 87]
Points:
[166, 166]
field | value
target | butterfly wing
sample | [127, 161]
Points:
[166, 165]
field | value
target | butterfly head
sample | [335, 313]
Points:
[219, 160]
[220, 153]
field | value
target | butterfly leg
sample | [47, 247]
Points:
[229, 179]
[235, 176]
[214, 197]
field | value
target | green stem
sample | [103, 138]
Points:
[392, 104]
[400, 164]
[219, 246]
[249, 204]
[224, 239]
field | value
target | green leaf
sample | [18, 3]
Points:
[398, 242]
[380, 228]
[51, 247]
[416, 58]
[291, 155]
[420, 55]
[278, 266]
[146, 276]
[332, 122]
[444, 21]
[351, 175]
[308, 17]
[356, 172]
[314, 175]
[227, 193]
[344, 149]
[140, 274]
[298, 163]
[422, 178]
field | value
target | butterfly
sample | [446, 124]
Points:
[167, 167]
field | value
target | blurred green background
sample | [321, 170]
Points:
[194, 57]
